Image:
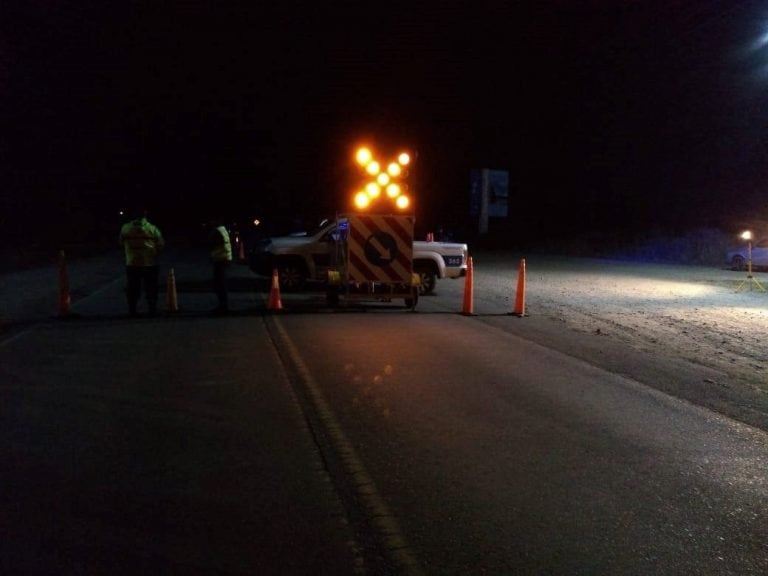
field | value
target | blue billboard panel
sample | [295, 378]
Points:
[497, 193]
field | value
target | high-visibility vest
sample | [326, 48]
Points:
[142, 242]
[222, 249]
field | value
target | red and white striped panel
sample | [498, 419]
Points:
[380, 248]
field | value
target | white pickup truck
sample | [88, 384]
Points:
[304, 257]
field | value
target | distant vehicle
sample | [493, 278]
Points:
[737, 257]
[302, 257]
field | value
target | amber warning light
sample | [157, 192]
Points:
[383, 182]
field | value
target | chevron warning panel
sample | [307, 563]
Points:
[380, 248]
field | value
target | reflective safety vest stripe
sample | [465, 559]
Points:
[223, 249]
[142, 242]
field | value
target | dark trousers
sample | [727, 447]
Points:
[139, 276]
[220, 282]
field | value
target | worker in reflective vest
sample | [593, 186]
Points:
[221, 256]
[142, 242]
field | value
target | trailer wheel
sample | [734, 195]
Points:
[413, 300]
[332, 296]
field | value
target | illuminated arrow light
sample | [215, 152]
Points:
[362, 200]
[364, 156]
[393, 190]
[373, 190]
[382, 179]
[373, 168]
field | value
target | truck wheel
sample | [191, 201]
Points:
[428, 282]
[291, 276]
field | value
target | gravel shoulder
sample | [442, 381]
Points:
[684, 319]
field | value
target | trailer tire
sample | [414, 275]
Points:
[413, 300]
[332, 296]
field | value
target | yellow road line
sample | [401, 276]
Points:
[375, 509]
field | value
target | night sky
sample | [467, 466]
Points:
[612, 118]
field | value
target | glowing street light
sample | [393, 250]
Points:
[751, 280]
[747, 235]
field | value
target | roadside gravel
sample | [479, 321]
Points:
[690, 315]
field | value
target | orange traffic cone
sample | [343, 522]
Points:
[520, 295]
[274, 302]
[64, 299]
[469, 305]
[172, 303]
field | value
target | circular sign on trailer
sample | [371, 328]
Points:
[381, 249]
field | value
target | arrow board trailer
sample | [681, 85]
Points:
[373, 260]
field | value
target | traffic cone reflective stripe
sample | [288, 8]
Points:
[520, 295]
[469, 306]
[64, 298]
[274, 302]
[171, 299]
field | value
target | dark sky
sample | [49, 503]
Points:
[618, 116]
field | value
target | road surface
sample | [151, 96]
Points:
[366, 440]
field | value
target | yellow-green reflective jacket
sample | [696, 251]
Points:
[142, 242]
[221, 248]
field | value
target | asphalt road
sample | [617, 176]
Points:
[167, 445]
[368, 440]
[497, 455]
